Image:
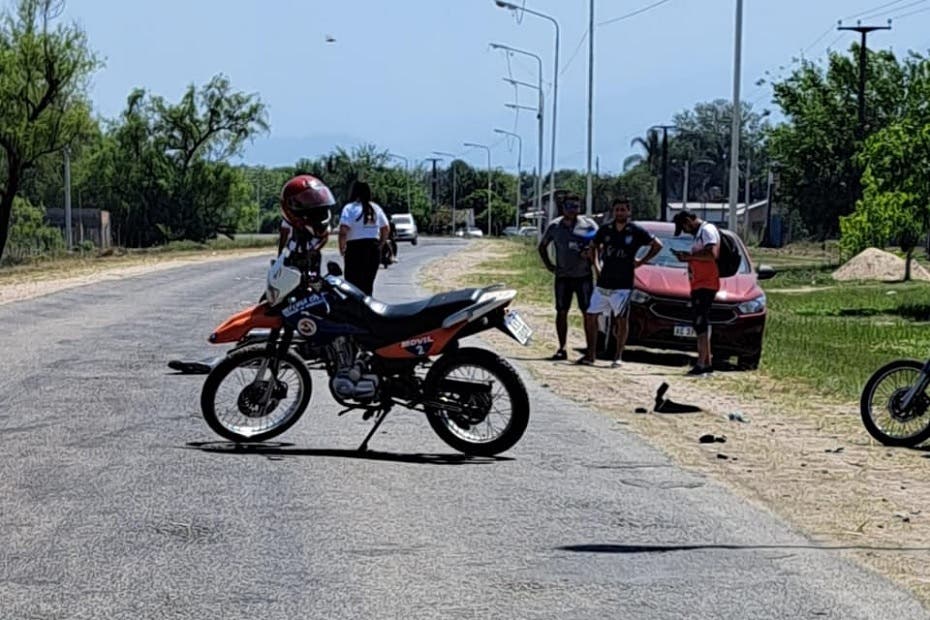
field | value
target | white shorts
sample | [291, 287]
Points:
[610, 301]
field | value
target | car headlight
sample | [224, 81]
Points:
[753, 305]
[639, 297]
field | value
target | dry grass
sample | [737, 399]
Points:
[807, 460]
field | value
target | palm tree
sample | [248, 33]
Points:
[652, 152]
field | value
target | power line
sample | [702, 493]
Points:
[881, 13]
[584, 37]
[911, 13]
[873, 9]
[634, 13]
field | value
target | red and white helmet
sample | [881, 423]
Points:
[305, 202]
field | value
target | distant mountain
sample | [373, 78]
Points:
[285, 151]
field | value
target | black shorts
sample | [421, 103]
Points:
[581, 288]
[701, 301]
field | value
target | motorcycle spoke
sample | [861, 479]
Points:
[882, 405]
[496, 420]
[244, 387]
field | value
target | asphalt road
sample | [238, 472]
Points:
[118, 502]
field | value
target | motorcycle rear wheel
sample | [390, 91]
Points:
[480, 382]
[881, 415]
[251, 418]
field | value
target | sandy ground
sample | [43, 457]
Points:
[810, 462]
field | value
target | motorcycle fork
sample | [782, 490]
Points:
[917, 388]
[276, 351]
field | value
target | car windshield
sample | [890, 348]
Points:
[401, 219]
[665, 258]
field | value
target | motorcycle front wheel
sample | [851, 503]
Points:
[881, 405]
[242, 402]
[476, 402]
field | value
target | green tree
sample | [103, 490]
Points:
[818, 148]
[162, 171]
[43, 76]
[895, 207]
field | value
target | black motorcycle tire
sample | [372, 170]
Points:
[505, 373]
[234, 360]
[865, 409]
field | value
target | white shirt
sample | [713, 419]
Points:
[353, 217]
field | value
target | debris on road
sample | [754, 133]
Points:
[712, 439]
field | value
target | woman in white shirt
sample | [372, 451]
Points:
[363, 228]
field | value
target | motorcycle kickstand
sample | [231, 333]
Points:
[382, 414]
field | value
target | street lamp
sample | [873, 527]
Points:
[516, 217]
[406, 174]
[452, 157]
[555, 92]
[540, 118]
[488, 149]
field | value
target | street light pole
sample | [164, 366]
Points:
[539, 117]
[555, 94]
[452, 159]
[736, 121]
[406, 174]
[539, 153]
[516, 217]
[488, 149]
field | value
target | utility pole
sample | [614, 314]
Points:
[737, 114]
[747, 190]
[69, 237]
[863, 61]
[432, 191]
[452, 159]
[684, 189]
[589, 198]
[663, 207]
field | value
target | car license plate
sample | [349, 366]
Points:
[517, 327]
[684, 331]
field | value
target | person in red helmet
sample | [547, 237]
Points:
[305, 211]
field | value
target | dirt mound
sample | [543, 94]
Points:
[875, 264]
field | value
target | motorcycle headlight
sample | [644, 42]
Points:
[639, 297]
[752, 306]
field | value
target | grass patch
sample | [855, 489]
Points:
[826, 342]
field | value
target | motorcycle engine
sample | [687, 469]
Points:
[353, 377]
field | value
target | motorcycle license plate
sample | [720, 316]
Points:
[517, 327]
[684, 331]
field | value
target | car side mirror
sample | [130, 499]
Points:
[333, 268]
[765, 272]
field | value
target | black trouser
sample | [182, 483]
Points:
[363, 256]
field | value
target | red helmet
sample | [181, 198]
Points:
[305, 202]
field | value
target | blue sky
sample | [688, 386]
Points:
[415, 76]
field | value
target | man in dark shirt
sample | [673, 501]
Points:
[570, 235]
[617, 243]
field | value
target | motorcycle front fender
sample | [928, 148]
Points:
[240, 324]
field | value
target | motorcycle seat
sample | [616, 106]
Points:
[441, 304]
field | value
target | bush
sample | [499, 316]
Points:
[29, 235]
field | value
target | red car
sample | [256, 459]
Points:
[660, 309]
